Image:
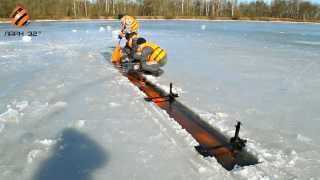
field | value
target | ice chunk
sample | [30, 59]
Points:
[22, 105]
[46, 142]
[222, 115]
[151, 78]
[33, 154]
[109, 28]
[203, 27]
[11, 115]
[113, 104]
[26, 38]
[74, 30]
[60, 104]
[80, 123]
[102, 29]
[202, 170]
[303, 138]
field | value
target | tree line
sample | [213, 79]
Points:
[293, 9]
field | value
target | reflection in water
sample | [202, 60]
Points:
[75, 156]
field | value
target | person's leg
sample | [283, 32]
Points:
[163, 61]
[150, 67]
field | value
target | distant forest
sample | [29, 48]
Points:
[56, 9]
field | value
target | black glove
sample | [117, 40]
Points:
[119, 36]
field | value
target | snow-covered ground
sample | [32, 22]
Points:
[65, 113]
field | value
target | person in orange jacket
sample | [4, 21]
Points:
[129, 30]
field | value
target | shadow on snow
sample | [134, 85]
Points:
[75, 156]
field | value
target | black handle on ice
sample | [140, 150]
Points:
[236, 134]
[236, 142]
[171, 96]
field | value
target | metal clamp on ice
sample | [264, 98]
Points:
[236, 142]
[170, 97]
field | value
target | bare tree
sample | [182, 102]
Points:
[74, 8]
[107, 7]
[295, 9]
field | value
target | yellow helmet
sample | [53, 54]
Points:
[129, 24]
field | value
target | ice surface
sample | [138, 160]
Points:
[26, 38]
[62, 104]
[102, 29]
[115, 34]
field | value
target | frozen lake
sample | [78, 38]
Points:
[65, 113]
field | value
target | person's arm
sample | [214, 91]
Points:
[125, 51]
[121, 34]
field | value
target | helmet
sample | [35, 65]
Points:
[141, 41]
[129, 24]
